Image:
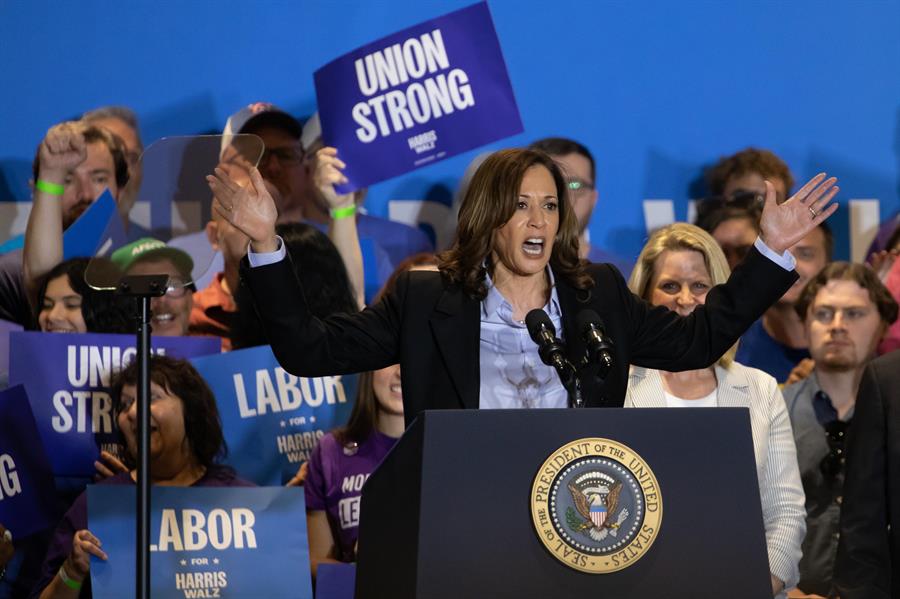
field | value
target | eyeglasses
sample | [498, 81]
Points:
[579, 186]
[835, 434]
[177, 287]
[285, 156]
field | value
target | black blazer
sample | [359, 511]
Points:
[868, 559]
[432, 329]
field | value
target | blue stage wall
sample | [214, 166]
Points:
[656, 89]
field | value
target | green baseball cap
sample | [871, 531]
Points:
[149, 248]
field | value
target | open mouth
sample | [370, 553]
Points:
[57, 329]
[534, 246]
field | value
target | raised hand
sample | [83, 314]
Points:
[84, 545]
[249, 209]
[326, 174]
[62, 149]
[783, 225]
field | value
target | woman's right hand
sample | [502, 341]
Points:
[108, 466]
[84, 545]
[249, 209]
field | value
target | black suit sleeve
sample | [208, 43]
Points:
[863, 566]
[308, 346]
[666, 341]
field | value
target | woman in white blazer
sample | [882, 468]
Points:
[677, 267]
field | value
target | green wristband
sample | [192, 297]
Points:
[64, 576]
[54, 189]
[339, 213]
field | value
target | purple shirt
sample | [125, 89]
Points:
[334, 484]
[77, 519]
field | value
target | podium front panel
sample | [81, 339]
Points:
[465, 479]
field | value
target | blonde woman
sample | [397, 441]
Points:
[676, 269]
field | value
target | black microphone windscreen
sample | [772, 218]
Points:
[587, 318]
[535, 321]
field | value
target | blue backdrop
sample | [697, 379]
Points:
[656, 89]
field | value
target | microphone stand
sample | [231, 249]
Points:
[143, 287]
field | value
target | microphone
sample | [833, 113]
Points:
[594, 335]
[550, 349]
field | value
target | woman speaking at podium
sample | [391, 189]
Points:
[459, 334]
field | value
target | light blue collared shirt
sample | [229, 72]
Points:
[512, 374]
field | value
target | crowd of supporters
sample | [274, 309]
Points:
[797, 369]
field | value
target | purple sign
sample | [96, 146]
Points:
[67, 379]
[27, 493]
[418, 96]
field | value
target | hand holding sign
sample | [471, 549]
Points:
[249, 209]
[783, 225]
[84, 545]
[328, 174]
[61, 151]
[108, 466]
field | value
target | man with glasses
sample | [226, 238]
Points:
[282, 162]
[846, 310]
[580, 171]
[148, 256]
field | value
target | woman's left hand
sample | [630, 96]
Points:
[84, 545]
[783, 225]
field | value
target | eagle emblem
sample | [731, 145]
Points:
[597, 506]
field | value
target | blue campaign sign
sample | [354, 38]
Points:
[84, 236]
[205, 542]
[272, 419]
[27, 493]
[67, 378]
[421, 95]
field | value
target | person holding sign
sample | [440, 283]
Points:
[459, 335]
[186, 443]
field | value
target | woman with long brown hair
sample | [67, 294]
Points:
[459, 334]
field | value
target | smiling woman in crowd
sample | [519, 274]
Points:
[67, 304]
[186, 444]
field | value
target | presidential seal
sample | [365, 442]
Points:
[596, 505]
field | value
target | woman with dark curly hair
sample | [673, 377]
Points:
[186, 444]
[459, 335]
[67, 304]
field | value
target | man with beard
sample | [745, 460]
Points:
[74, 165]
[846, 310]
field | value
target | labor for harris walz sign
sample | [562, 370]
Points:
[272, 419]
[206, 542]
[421, 95]
[67, 378]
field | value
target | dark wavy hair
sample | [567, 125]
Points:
[750, 160]
[202, 425]
[489, 203]
[321, 272]
[103, 311]
[364, 415]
